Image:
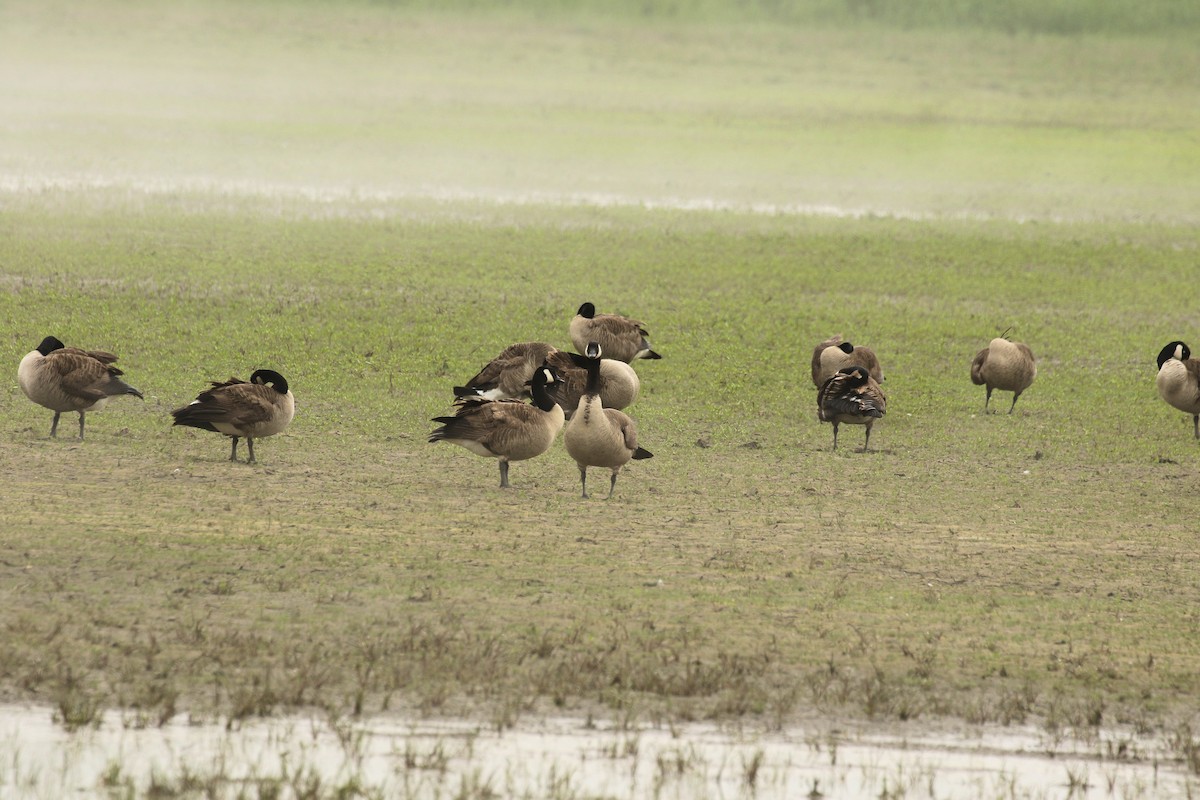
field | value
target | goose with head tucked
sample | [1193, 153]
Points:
[851, 396]
[1008, 366]
[619, 337]
[254, 409]
[507, 377]
[69, 379]
[1178, 381]
[598, 436]
[833, 354]
[508, 430]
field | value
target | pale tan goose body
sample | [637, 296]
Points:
[618, 386]
[1008, 366]
[833, 355]
[505, 429]
[1178, 381]
[620, 338]
[598, 436]
[69, 379]
[851, 396]
[262, 407]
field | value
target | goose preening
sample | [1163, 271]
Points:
[1178, 381]
[833, 354]
[261, 407]
[852, 396]
[598, 436]
[1008, 366]
[505, 429]
[507, 377]
[620, 338]
[69, 379]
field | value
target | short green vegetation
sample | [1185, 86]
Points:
[374, 201]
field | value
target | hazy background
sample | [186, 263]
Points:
[1034, 110]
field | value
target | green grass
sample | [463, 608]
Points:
[990, 567]
[349, 195]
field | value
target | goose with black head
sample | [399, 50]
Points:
[254, 409]
[64, 378]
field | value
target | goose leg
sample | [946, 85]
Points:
[54, 426]
[867, 441]
[583, 479]
[81, 426]
[250, 445]
[1014, 403]
[612, 484]
[988, 400]
[835, 427]
[504, 484]
[233, 451]
[1196, 425]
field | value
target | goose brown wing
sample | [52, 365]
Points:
[523, 357]
[492, 423]
[79, 373]
[239, 404]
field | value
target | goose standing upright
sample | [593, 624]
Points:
[505, 429]
[619, 337]
[1008, 366]
[833, 354]
[598, 436]
[851, 396]
[1178, 381]
[264, 406]
[69, 379]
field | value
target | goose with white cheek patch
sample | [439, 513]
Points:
[508, 430]
[598, 436]
[69, 379]
[261, 407]
[619, 337]
[1008, 366]
[507, 377]
[1178, 381]
[851, 396]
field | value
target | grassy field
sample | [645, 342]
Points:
[377, 241]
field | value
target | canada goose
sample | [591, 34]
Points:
[598, 436]
[262, 407]
[1005, 365]
[851, 396]
[618, 387]
[505, 429]
[622, 338]
[69, 379]
[833, 354]
[1178, 381]
[507, 377]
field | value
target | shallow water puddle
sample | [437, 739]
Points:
[388, 756]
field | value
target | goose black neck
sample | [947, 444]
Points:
[593, 376]
[541, 398]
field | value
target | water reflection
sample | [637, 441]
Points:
[388, 757]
